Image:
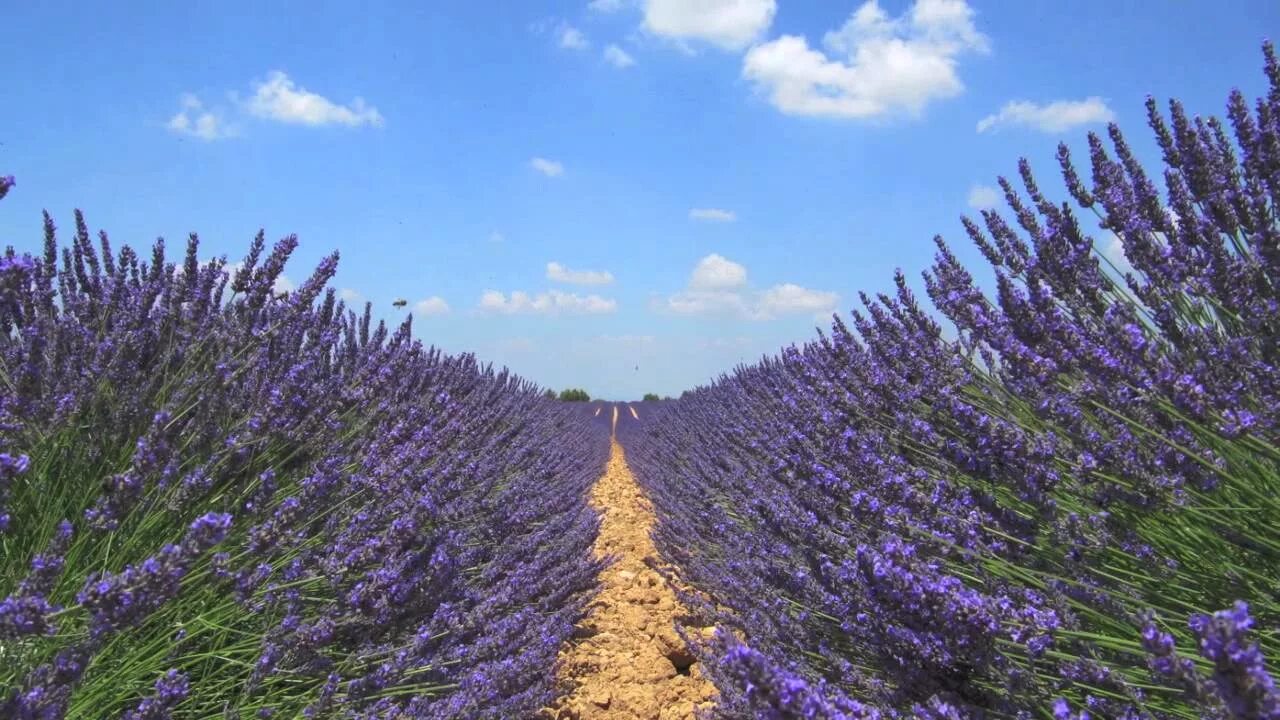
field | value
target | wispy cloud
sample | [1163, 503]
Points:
[278, 98]
[727, 24]
[550, 168]
[606, 6]
[1057, 116]
[725, 343]
[572, 38]
[984, 197]
[552, 302]
[618, 57]
[434, 305]
[874, 65]
[559, 273]
[631, 343]
[350, 296]
[712, 215]
[1114, 252]
[194, 120]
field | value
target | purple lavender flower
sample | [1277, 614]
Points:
[1240, 677]
[170, 691]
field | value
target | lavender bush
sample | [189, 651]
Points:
[217, 501]
[1070, 511]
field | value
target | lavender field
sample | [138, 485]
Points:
[223, 500]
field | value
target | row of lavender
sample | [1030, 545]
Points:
[217, 501]
[1073, 510]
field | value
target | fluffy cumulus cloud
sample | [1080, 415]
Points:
[728, 24]
[712, 215]
[550, 168]
[561, 274]
[874, 65]
[716, 272]
[552, 302]
[789, 298]
[278, 98]
[1057, 116]
[984, 197]
[194, 120]
[618, 57]
[434, 305]
[718, 286]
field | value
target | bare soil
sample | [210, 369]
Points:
[627, 662]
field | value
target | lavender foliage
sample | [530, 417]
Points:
[272, 503]
[1026, 520]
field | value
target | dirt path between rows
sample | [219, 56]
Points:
[627, 662]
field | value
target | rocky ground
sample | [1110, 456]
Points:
[627, 662]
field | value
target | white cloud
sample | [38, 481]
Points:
[497, 237]
[1114, 252]
[350, 296]
[559, 273]
[552, 302]
[606, 6]
[1057, 116]
[712, 215]
[433, 305]
[728, 24]
[878, 65]
[791, 298]
[195, 121]
[725, 343]
[715, 272]
[618, 57]
[278, 98]
[717, 286]
[984, 197]
[776, 301]
[550, 168]
[572, 38]
[708, 302]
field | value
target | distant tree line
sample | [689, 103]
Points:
[568, 395]
[580, 395]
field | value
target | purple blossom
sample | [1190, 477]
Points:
[170, 691]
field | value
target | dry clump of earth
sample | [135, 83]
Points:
[626, 661]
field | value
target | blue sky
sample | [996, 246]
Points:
[710, 177]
